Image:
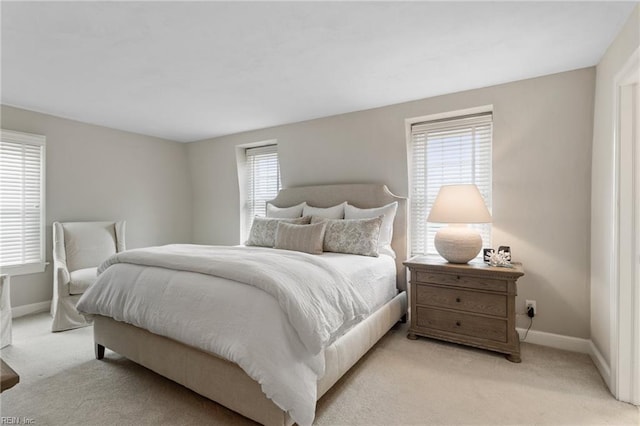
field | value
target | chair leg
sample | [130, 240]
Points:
[99, 349]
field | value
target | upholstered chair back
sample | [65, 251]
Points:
[87, 244]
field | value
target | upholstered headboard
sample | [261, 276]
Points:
[362, 195]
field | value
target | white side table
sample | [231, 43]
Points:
[5, 312]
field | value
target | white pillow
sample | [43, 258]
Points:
[335, 212]
[386, 230]
[285, 212]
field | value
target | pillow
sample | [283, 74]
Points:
[285, 212]
[352, 236]
[263, 230]
[335, 212]
[306, 238]
[386, 230]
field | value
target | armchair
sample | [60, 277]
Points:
[5, 312]
[78, 249]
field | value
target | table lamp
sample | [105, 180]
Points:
[458, 205]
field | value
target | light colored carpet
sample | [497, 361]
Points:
[399, 382]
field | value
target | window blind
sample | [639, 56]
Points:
[263, 181]
[21, 202]
[446, 152]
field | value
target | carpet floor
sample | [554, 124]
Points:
[399, 382]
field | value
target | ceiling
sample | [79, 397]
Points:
[189, 71]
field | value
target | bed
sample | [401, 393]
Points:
[226, 382]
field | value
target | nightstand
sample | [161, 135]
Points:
[471, 304]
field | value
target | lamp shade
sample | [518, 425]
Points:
[459, 204]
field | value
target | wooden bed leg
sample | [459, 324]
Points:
[403, 319]
[99, 349]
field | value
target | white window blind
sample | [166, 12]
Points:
[263, 181]
[445, 152]
[21, 202]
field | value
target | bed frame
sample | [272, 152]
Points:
[232, 387]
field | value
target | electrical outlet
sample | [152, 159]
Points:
[531, 304]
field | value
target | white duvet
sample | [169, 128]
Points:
[275, 326]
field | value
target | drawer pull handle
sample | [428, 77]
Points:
[458, 299]
[458, 277]
[458, 323]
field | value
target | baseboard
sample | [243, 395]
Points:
[557, 341]
[33, 308]
[601, 364]
[569, 343]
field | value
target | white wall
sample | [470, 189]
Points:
[603, 198]
[97, 173]
[541, 170]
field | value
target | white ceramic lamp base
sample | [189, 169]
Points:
[458, 243]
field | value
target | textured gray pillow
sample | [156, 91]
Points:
[305, 238]
[352, 236]
[388, 214]
[263, 230]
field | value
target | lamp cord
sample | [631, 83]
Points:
[528, 328]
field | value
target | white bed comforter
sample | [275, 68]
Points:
[275, 328]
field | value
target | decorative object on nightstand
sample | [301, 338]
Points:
[501, 258]
[486, 254]
[506, 252]
[458, 205]
[471, 304]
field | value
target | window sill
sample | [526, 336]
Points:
[31, 268]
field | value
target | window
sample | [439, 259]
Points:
[444, 152]
[21, 202]
[262, 181]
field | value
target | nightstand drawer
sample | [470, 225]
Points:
[459, 323]
[484, 303]
[460, 281]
